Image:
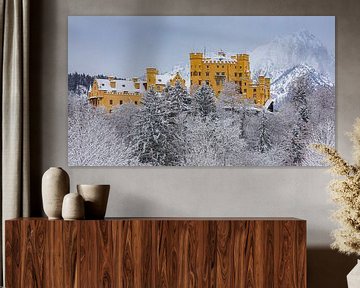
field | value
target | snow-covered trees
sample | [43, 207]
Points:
[155, 136]
[299, 94]
[178, 128]
[264, 133]
[203, 101]
[92, 139]
[177, 99]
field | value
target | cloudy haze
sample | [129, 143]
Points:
[125, 45]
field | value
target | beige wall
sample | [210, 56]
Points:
[298, 192]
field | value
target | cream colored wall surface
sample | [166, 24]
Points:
[296, 192]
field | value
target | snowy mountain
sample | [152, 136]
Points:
[283, 53]
[280, 87]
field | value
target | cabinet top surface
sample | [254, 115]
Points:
[173, 219]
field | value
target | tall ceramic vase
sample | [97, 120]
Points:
[353, 278]
[55, 185]
[96, 198]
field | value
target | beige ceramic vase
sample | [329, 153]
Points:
[73, 207]
[96, 198]
[55, 185]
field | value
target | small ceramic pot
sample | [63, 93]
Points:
[73, 207]
[96, 198]
[55, 185]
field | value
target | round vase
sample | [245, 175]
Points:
[96, 198]
[55, 185]
[73, 207]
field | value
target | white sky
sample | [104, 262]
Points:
[125, 45]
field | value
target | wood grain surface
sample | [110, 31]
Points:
[161, 252]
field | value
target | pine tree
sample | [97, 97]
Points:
[299, 133]
[299, 93]
[177, 98]
[264, 133]
[296, 148]
[204, 101]
[155, 141]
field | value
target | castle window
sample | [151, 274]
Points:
[199, 82]
[245, 83]
[121, 102]
[195, 73]
[207, 82]
[217, 66]
[123, 85]
[126, 92]
[136, 102]
[207, 66]
[245, 90]
[235, 74]
[254, 89]
[111, 102]
[222, 66]
[199, 73]
[240, 67]
[218, 92]
[190, 82]
[223, 73]
[207, 73]
[240, 74]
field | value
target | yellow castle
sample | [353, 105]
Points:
[219, 68]
[212, 70]
[113, 92]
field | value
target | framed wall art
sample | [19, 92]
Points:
[200, 90]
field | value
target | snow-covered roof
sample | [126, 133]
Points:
[219, 57]
[164, 78]
[120, 86]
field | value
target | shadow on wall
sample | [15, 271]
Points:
[328, 268]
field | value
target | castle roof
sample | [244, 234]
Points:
[165, 78]
[219, 57]
[120, 86]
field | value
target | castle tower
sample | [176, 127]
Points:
[196, 61]
[151, 76]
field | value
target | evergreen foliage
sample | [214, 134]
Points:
[204, 101]
[264, 133]
[155, 138]
[177, 128]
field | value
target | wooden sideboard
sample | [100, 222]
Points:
[156, 252]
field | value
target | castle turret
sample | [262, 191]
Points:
[196, 61]
[151, 76]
